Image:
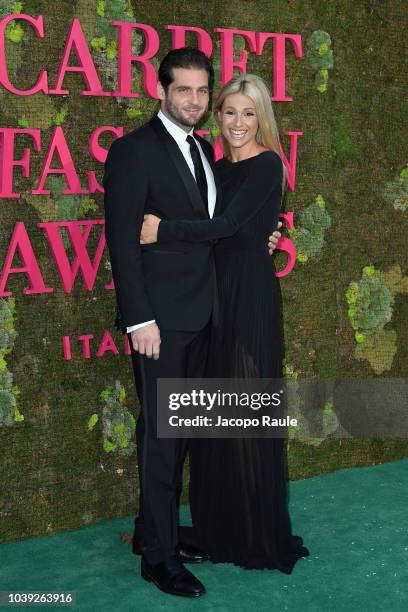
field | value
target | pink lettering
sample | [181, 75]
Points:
[86, 348]
[126, 58]
[76, 41]
[42, 83]
[20, 242]
[279, 59]
[59, 145]
[99, 154]
[178, 38]
[66, 345]
[106, 344]
[78, 232]
[285, 244]
[128, 350]
[7, 161]
[291, 165]
[227, 52]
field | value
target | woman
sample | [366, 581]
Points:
[239, 491]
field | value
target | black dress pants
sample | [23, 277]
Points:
[160, 460]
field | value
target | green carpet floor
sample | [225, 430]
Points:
[353, 521]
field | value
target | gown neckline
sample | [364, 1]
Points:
[246, 158]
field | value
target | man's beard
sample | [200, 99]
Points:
[175, 114]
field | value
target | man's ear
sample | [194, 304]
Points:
[160, 91]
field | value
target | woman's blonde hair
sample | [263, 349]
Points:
[255, 88]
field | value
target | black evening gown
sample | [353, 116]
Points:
[238, 489]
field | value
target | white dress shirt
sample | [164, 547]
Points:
[180, 136]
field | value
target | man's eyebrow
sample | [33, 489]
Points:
[189, 87]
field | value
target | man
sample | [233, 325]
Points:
[166, 294]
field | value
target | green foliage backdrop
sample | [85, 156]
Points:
[67, 427]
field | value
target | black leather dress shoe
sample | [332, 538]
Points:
[184, 552]
[170, 576]
[190, 554]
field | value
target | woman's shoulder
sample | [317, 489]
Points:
[268, 158]
[266, 163]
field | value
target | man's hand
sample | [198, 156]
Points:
[150, 226]
[274, 239]
[146, 340]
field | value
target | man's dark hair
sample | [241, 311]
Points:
[186, 57]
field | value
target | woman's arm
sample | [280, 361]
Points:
[264, 177]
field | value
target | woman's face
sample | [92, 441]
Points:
[238, 121]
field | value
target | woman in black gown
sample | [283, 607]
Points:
[238, 495]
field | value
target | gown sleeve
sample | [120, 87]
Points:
[264, 176]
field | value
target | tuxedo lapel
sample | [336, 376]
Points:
[181, 166]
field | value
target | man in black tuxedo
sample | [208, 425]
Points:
[166, 295]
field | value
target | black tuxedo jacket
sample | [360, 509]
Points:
[145, 172]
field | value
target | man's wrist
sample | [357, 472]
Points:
[138, 326]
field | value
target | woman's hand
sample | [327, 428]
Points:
[150, 226]
[274, 239]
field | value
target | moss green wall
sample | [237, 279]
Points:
[55, 471]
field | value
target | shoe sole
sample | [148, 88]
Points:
[149, 578]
